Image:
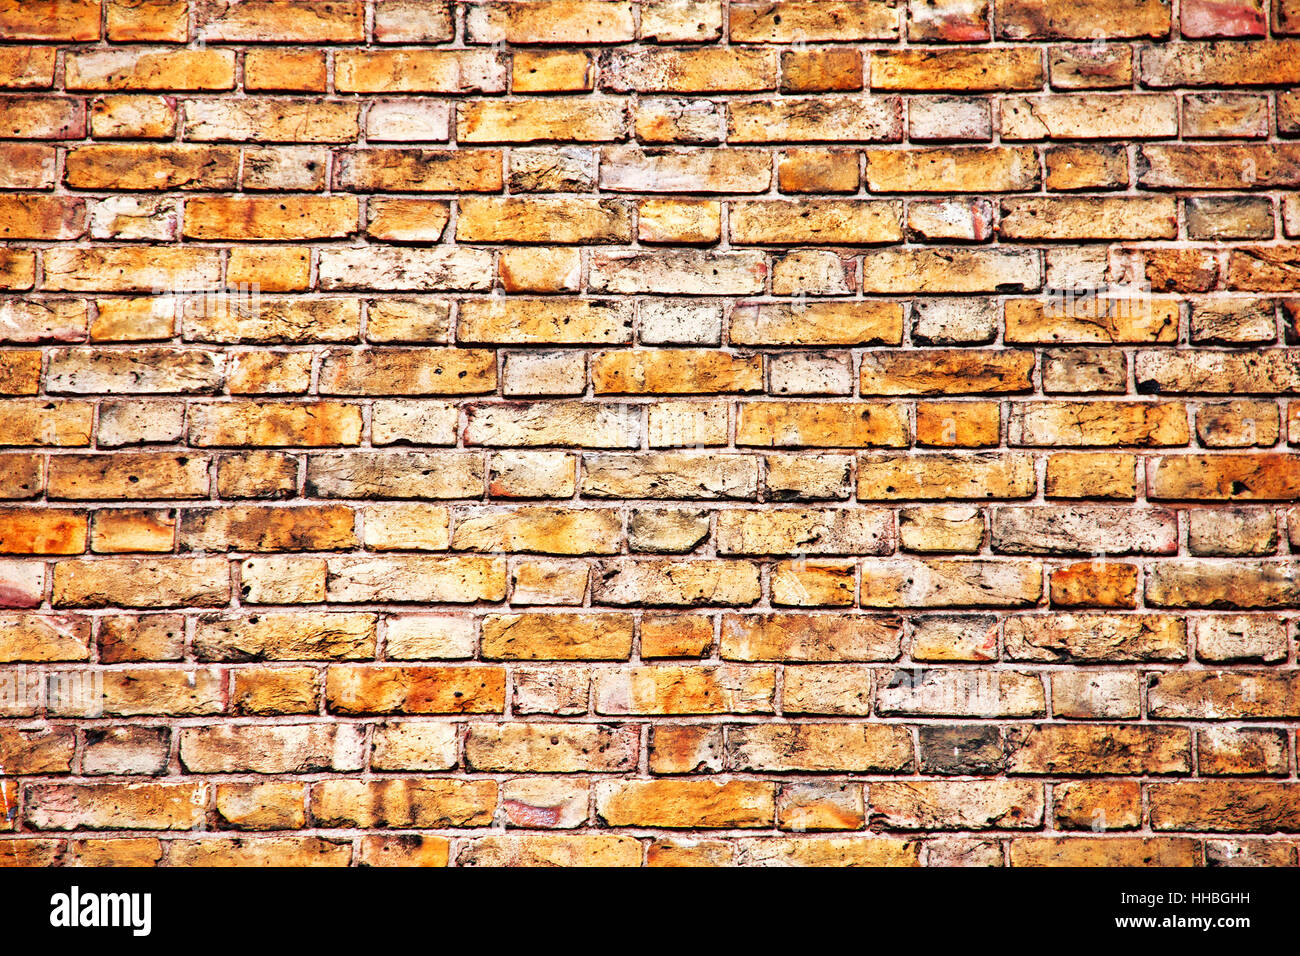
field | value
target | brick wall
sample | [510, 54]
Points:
[681, 431]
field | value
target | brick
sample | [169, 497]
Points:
[27, 68]
[540, 270]
[721, 69]
[545, 849]
[419, 71]
[254, 21]
[151, 69]
[1246, 322]
[817, 323]
[952, 749]
[959, 693]
[357, 689]
[803, 747]
[277, 121]
[1069, 218]
[395, 475]
[1226, 805]
[1089, 116]
[275, 691]
[685, 689]
[669, 475]
[430, 371]
[288, 70]
[125, 371]
[978, 583]
[1265, 477]
[1096, 637]
[41, 217]
[932, 373]
[803, 583]
[143, 582]
[1114, 749]
[1006, 68]
[1099, 851]
[773, 424]
[805, 532]
[268, 851]
[1054, 19]
[1211, 583]
[282, 219]
[136, 806]
[584, 120]
[117, 532]
[39, 637]
[1225, 167]
[791, 20]
[27, 165]
[686, 804]
[267, 806]
[277, 748]
[280, 423]
[543, 220]
[678, 170]
[1087, 321]
[940, 528]
[133, 117]
[66, 20]
[150, 637]
[45, 422]
[1106, 805]
[1211, 64]
[817, 171]
[418, 578]
[403, 803]
[480, 351]
[551, 71]
[405, 269]
[1093, 584]
[670, 119]
[936, 476]
[571, 21]
[413, 21]
[814, 221]
[1092, 67]
[557, 637]
[1097, 423]
[561, 748]
[1077, 530]
[809, 637]
[420, 170]
[958, 805]
[1085, 167]
[430, 637]
[900, 271]
[823, 119]
[131, 269]
[815, 71]
[1226, 751]
[1231, 531]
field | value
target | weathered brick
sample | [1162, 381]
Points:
[386, 689]
[937, 476]
[685, 689]
[802, 747]
[896, 583]
[1057, 19]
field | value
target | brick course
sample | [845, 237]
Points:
[649, 432]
